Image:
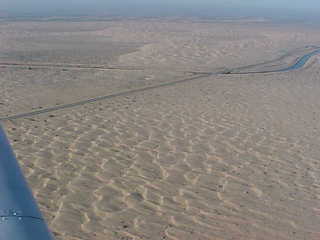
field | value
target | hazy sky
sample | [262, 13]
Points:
[179, 7]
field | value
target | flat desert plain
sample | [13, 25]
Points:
[125, 131]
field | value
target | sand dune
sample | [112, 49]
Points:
[221, 157]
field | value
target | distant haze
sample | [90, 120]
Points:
[201, 8]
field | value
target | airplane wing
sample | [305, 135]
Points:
[20, 217]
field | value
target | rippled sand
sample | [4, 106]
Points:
[220, 157]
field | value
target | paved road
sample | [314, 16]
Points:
[298, 64]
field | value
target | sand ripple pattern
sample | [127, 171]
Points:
[148, 174]
[222, 157]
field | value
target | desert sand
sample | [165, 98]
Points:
[215, 157]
